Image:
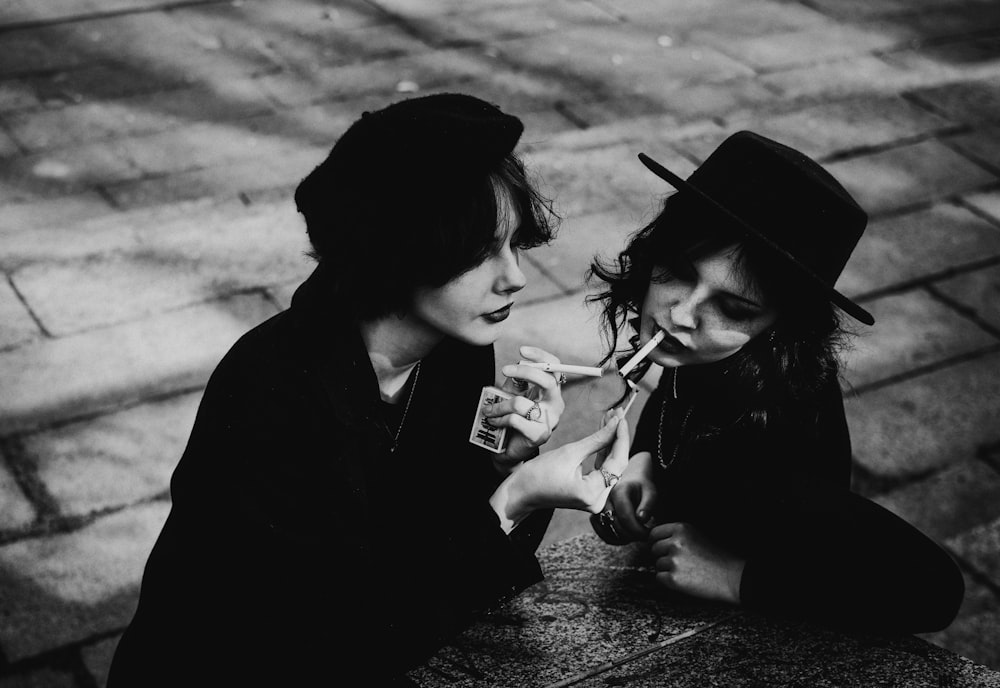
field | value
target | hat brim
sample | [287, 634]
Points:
[841, 301]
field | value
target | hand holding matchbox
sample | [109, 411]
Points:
[493, 436]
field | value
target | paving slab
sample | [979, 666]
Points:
[950, 501]
[928, 422]
[99, 120]
[622, 59]
[24, 11]
[16, 94]
[307, 40]
[909, 175]
[70, 587]
[197, 259]
[105, 368]
[67, 171]
[870, 9]
[18, 325]
[487, 22]
[982, 144]
[114, 460]
[694, 19]
[940, 22]
[16, 511]
[912, 330]
[831, 128]
[937, 62]
[819, 43]
[862, 75]
[385, 78]
[915, 246]
[580, 240]
[583, 182]
[976, 290]
[97, 658]
[980, 548]
[40, 678]
[244, 180]
[965, 101]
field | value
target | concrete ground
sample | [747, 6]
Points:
[147, 154]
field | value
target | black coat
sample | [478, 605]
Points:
[780, 496]
[299, 546]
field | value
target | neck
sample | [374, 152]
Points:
[395, 345]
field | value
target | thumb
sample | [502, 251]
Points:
[599, 439]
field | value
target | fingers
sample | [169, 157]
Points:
[519, 406]
[544, 381]
[623, 503]
[603, 437]
[617, 459]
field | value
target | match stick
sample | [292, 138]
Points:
[635, 394]
[564, 368]
[642, 353]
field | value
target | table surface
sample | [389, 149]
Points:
[598, 620]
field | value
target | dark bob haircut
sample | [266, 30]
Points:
[413, 196]
[791, 361]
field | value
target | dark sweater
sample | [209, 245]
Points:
[780, 497]
[300, 549]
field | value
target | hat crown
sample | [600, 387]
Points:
[789, 199]
[777, 197]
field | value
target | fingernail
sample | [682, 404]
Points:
[641, 514]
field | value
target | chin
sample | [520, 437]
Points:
[479, 337]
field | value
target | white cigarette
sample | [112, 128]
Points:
[564, 368]
[635, 394]
[642, 353]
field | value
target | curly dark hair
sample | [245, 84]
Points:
[791, 361]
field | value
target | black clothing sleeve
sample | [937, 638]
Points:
[300, 549]
[780, 498]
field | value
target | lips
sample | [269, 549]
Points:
[500, 314]
[670, 344]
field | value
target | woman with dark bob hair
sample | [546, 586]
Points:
[332, 523]
[739, 478]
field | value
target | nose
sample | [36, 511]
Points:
[683, 311]
[510, 279]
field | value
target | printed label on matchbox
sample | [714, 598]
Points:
[483, 435]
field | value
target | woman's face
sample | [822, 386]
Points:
[472, 306]
[709, 310]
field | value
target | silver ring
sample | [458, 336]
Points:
[610, 478]
[607, 519]
[534, 413]
[560, 378]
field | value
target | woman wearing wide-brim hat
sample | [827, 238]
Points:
[740, 471]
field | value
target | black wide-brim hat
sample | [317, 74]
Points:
[779, 198]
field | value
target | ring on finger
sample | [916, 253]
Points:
[534, 414]
[610, 478]
[560, 378]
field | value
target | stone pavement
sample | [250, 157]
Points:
[148, 149]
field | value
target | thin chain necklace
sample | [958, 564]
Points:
[659, 434]
[409, 398]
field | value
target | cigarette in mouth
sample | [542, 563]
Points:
[564, 368]
[642, 353]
